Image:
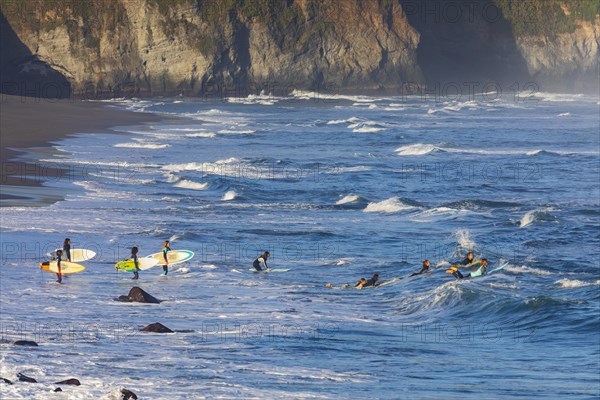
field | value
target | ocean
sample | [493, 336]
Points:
[336, 188]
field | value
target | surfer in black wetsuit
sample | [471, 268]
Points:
[469, 259]
[67, 249]
[372, 282]
[136, 264]
[360, 283]
[425, 268]
[58, 257]
[261, 260]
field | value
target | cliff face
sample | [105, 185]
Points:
[240, 47]
[567, 62]
[162, 46]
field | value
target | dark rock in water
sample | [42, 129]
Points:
[128, 394]
[157, 327]
[138, 295]
[25, 378]
[25, 343]
[58, 390]
[5, 380]
[71, 381]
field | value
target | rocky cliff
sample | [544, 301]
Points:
[240, 47]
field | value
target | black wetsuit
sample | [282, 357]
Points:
[458, 275]
[466, 261]
[67, 251]
[59, 275]
[136, 266]
[423, 270]
[370, 282]
[258, 261]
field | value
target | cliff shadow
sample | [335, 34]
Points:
[22, 73]
[466, 43]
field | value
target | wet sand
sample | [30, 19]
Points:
[27, 122]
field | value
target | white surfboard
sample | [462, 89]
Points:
[77, 255]
[174, 256]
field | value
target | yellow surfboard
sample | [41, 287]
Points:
[65, 267]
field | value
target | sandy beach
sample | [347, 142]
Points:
[27, 122]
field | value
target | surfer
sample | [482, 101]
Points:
[424, 268]
[165, 251]
[360, 283]
[67, 248]
[261, 260]
[480, 271]
[58, 257]
[469, 259]
[372, 282]
[136, 264]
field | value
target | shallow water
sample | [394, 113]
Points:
[337, 189]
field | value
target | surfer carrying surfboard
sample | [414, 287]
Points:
[425, 268]
[134, 257]
[67, 249]
[58, 257]
[165, 251]
[261, 260]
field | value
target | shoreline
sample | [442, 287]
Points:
[29, 122]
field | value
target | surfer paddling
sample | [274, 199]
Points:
[262, 260]
[425, 268]
[480, 271]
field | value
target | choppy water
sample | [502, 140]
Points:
[336, 188]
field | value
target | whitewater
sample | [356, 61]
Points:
[336, 188]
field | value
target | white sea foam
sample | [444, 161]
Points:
[523, 269]
[262, 99]
[351, 198]
[575, 283]
[237, 132]
[368, 129]
[308, 95]
[417, 149]
[140, 145]
[566, 114]
[201, 134]
[391, 205]
[536, 215]
[187, 184]
[230, 195]
[463, 238]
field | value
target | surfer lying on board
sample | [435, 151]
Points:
[372, 282]
[134, 257]
[165, 251]
[360, 283]
[424, 269]
[480, 271]
[262, 260]
[67, 249]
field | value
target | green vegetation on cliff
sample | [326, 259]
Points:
[547, 17]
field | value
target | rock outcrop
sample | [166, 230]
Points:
[156, 327]
[138, 295]
[25, 378]
[71, 381]
[25, 343]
